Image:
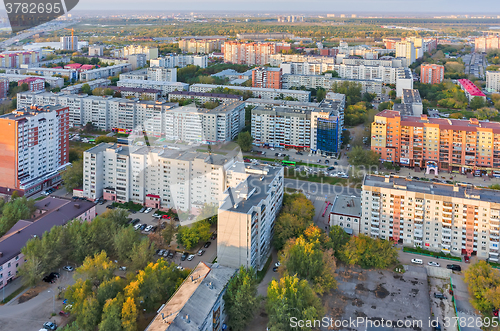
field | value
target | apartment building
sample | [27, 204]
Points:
[431, 73]
[204, 97]
[34, 84]
[346, 213]
[306, 68]
[157, 177]
[96, 50]
[105, 113]
[34, 148]
[180, 61]
[137, 61]
[52, 212]
[411, 103]
[191, 124]
[200, 46]
[406, 49]
[162, 74]
[151, 52]
[247, 214]
[383, 62]
[249, 53]
[264, 93]
[71, 74]
[326, 81]
[459, 220]
[267, 77]
[140, 93]
[75, 89]
[105, 72]
[404, 81]
[470, 89]
[163, 86]
[487, 43]
[139, 74]
[206, 284]
[234, 76]
[277, 59]
[450, 145]
[18, 59]
[53, 81]
[493, 81]
[69, 43]
[4, 88]
[282, 103]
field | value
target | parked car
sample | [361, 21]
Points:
[142, 210]
[300, 153]
[184, 256]
[433, 264]
[466, 259]
[134, 222]
[110, 207]
[154, 228]
[63, 313]
[68, 268]
[148, 228]
[159, 251]
[190, 257]
[439, 295]
[149, 209]
[165, 217]
[454, 267]
[207, 244]
[275, 269]
[330, 168]
[214, 236]
[166, 253]
[417, 261]
[277, 264]
[156, 215]
[143, 227]
[171, 254]
[180, 268]
[51, 278]
[201, 252]
[335, 163]
[50, 326]
[102, 201]
[137, 226]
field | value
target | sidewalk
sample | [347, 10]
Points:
[11, 288]
[478, 181]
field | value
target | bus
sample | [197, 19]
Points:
[288, 163]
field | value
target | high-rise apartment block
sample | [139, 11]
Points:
[164, 86]
[162, 74]
[266, 77]
[249, 53]
[172, 61]
[34, 148]
[137, 61]
[151, 52]
[264, 93]
[96, 50]
[431, 73]
[446, 144]
[247, 215]
[15, 59]
[453, 219]
[4, 87]
[406, 49]
[69, 43]
[200, 46]
[487, 43]
[493, 81]
[34, 84]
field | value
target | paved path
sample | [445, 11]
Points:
[270, 275]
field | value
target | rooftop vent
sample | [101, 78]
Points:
[77, 206]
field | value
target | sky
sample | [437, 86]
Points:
[316, 6]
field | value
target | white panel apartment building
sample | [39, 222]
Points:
[326, 81]
[162, 74]
[493, 81]
[165, 87]
[461, 220]
[246, 216]
[277, 59]
[172, 61]
[221, 124]
[162, 178]
[151, 52]
[264, 93]
[105, 72]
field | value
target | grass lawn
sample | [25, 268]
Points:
[40, 198]
[297, 163]
[422, 251]
[128, 205]
[14, 294]
[261, 274]
[315, 178]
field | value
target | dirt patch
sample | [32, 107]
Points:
[399, 277]
[374, 307]
[414, 291]
[33, 292]
[381, 292]
[361, 287]
[414, 282]
[357, 302]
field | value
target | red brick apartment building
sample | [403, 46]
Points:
[34, 84]
[34, 148]
[431, 73]
[452, 145]
[265, 77]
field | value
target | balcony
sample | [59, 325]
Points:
[375, 223]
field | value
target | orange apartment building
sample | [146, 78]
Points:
[34, 148]
[266, 77]
[431, 73]
[251, 53]
[452, 145]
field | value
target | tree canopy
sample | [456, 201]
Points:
[245, 141]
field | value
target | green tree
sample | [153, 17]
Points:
[338, 239]
[124, 241]
[369, 253]
[31, 271]
[89, 127]
[142, 253]
[483, 282]
[86, 89]
[187, 236]
[109, 289]
[288, 226]
[73, 176]
[477, 102]
[169, 232]
[241, 298]
[90, 314]
[385, 105]
[361, 157]
[117, 216]
[245, 140]
[111, 315]
[15, 210]
[320, 94]
[105, 139]
[96, 269]
[291, 297]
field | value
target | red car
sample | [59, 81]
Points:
[466, 259]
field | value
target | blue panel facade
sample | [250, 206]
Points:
[328, 134]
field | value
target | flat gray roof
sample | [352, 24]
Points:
[347, 205]
[411, 96]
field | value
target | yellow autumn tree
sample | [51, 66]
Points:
[129, 315]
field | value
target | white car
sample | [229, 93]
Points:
[148, 228]
[271, 149]
[417, 261]
[433, 264]
[68, 268]
[277, 264]
[190, 257]
[137, 226]
[149, 209]
[156, 215]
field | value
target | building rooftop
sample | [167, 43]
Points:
[405, 109]
[134, 89]
[282, 103]
[151, 82]
[411, 96]
[23, 113]
[56, 211]
[244, 88]
[191, 304]
[253, 190]
[202, 94]
[347, 205]
[472, 89]
[457, 191]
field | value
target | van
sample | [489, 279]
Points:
[417, 261]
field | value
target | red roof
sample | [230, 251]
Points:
[72, 66]
[153, 196]
[471, 88]
[87, 67]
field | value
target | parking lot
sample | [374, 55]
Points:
[380, 295]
